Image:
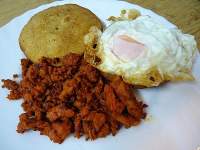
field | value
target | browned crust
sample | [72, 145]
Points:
[22, 44]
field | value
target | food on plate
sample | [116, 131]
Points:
[142, 51]
[79, 79]
[57, 31]
[72, 98]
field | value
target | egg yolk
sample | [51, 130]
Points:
[126, 48]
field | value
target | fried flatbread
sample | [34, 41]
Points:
[57, 31]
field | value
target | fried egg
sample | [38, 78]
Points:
[142, 51]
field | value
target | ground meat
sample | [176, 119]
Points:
[13, 86]
[68, 95]
[59, 131]
[59, 112]
[125, 93]
[10, 84]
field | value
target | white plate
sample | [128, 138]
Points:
[174, 108]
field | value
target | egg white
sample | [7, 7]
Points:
[169, 54]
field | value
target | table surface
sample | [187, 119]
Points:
[184, 13]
